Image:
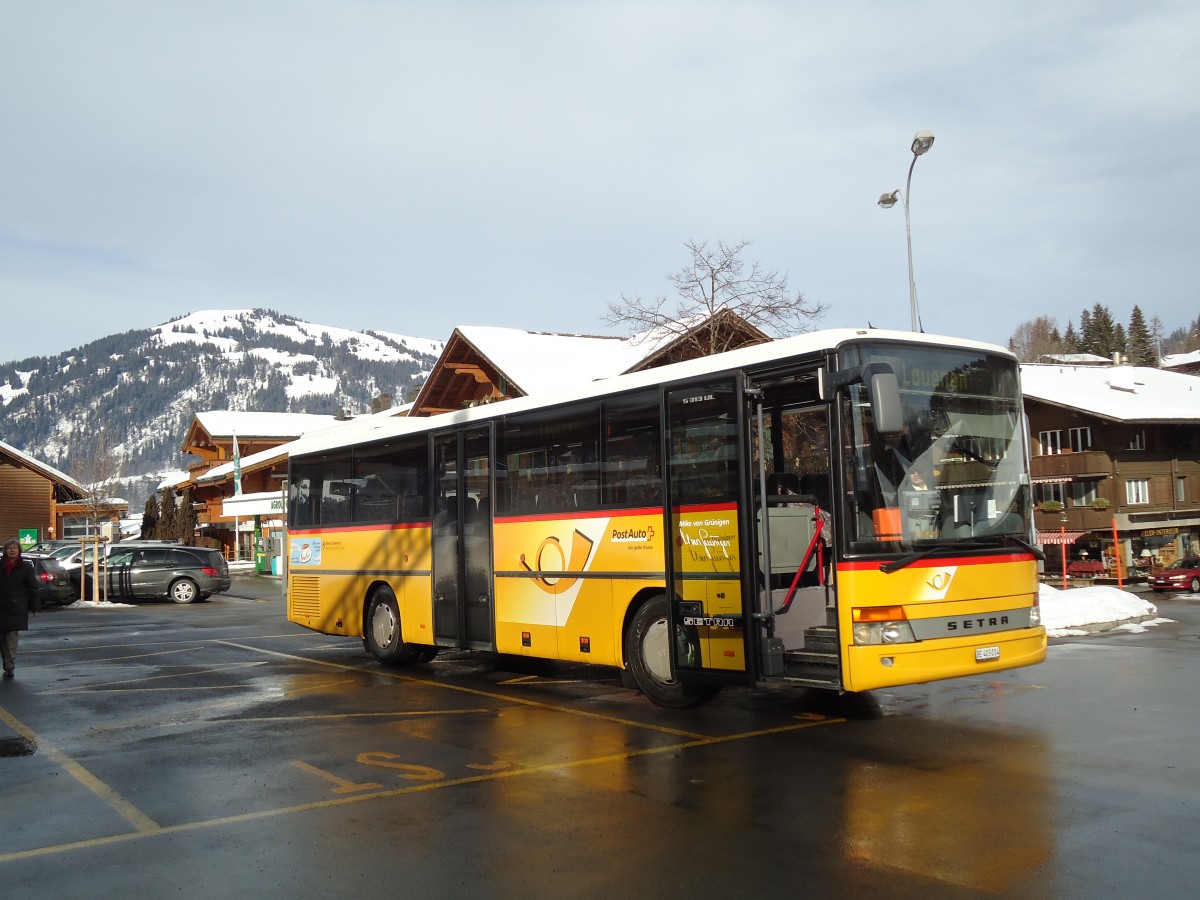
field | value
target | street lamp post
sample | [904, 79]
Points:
[922, 141]
[1062, 530]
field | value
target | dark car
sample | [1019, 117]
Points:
[1181, 575]
[158, 571]
[54, 586]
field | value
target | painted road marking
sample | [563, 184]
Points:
[145, 826]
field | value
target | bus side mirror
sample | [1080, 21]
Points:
[885, 403]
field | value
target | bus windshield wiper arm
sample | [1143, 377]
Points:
[896, 564]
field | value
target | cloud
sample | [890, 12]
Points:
[399, 166]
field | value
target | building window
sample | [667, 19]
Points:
[1180, 488]
[1050, 442]
[1051, 491]
[1138, 442]
[1083, 493]
[1137, 490]
[1081, 439]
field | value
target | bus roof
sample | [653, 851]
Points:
[371, 428]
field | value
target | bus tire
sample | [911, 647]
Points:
[382, 627]
[648, 656]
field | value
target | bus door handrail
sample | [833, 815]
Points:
[814, 545]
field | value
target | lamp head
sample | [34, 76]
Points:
[922, 141]
[887, 201]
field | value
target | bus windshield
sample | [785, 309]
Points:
[954, 475]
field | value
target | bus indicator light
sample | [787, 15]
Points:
[879, 614]
[585, 645]
[526, 639]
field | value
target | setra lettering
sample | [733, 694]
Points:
[984, 622]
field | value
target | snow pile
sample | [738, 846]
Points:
[1097, 608]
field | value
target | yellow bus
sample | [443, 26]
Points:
[846, 509]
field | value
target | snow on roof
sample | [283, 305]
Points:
[1172, 360]
[1076, 359]
[1119, 393]
[539, 361]
[280, 452]
[173, 480]
[226, 423]
[43, 469]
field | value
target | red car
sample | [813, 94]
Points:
[1181, 575]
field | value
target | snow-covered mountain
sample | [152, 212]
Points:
[130, 397]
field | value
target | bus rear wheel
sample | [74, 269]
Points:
[383, 636]
[648, 655]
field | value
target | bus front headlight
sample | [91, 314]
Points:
[883, 633]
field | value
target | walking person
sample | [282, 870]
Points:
[18, 598]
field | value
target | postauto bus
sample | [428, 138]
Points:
[846, 509]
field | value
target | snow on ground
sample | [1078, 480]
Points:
[1097, 608]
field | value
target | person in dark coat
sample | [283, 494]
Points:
[18, 598]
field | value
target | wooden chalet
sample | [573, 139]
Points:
[37, 497]
[485, 365]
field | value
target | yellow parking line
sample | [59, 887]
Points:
[145, 826]
[415, 788]
[130, 813]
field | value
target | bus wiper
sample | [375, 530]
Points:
[896, 564]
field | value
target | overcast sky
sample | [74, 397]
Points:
[415, 166]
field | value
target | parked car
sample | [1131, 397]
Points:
[74, 556]
[1181, 575]
[158, 571]
[54, 585]
[50, 546]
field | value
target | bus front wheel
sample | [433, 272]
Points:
[382, 638]
[648, 655]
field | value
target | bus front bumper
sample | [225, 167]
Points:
[889, 665]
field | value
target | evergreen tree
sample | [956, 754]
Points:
[1099, 332]
[1085, 332]
[150, 519]
[185, 520]
[167, 525]
[1120, 341]
[1142, 351]
[1070, 340]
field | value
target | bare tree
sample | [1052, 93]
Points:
[716, 280]
[97, 471]
[1035, 339]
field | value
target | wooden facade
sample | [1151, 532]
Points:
[32, 495]
[1140, 479]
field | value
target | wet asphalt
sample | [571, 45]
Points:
[217, 750]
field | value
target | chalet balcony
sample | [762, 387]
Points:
[1087, 464]
[1079, 518]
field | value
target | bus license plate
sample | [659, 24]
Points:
[983, 654]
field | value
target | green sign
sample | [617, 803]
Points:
[27, 537]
